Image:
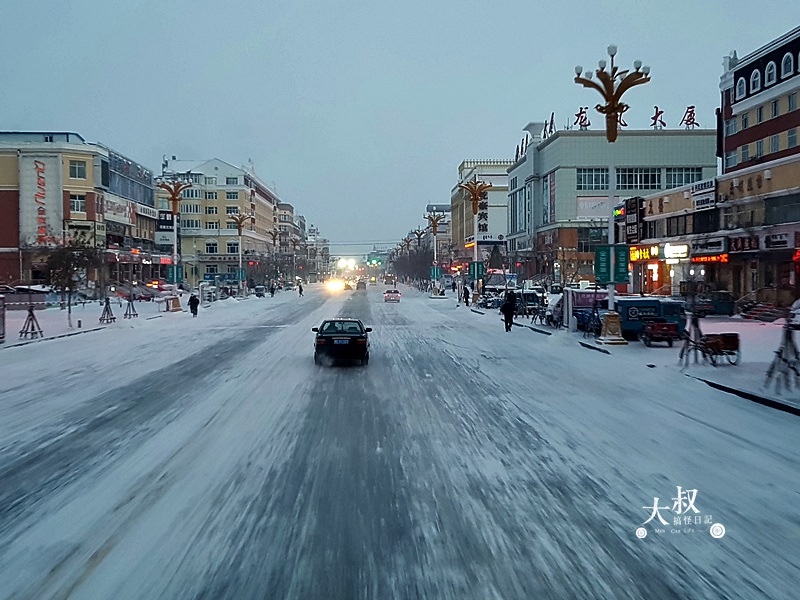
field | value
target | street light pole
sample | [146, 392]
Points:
[476, 190]
[174, 189]
[612, 84]
[240, 219]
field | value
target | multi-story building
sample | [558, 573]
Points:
[317, 258]
[56, 187]
[209, 237]
[758, 113]
[758, 202]
[559, 190]
[492, 213]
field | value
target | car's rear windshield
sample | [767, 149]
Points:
[392, 292]
[341, 327]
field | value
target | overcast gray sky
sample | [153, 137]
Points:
[357, 112]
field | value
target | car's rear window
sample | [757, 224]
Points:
[341, 327]
[392, 292]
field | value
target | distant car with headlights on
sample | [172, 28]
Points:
[392, 296]
[361, 285]
[341, 339]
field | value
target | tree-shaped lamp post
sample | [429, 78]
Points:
[241, 219]
[476, 190]
[612, 84]
[174, 189]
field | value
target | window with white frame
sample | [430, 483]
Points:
[759, 148]
[77, 169]
[745, 152]
[230, 225]
[231, 181]
[190, 193]
[745, 120]
[231, 195]
[212, 225]
[231, 210]
[760, 114]
[77, 202]
[212, 248]
[192, 209]
[592, 179]
[741, 88]
[233, 247]
[774, 143]
[638, 178]
[787, 65]
[730, 159]
[792, 101]
[774, 108]
[190, 223]
[211, 269]
[791, 138]
[770, 74]
[730, 126]
[211, 181]
[755, 81]
[211, 195]
[211, 210]
[678, 176]
[231, 269]
[194, 177]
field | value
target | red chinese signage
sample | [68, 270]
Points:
[711, 258]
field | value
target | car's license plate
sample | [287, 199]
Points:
[340, 341]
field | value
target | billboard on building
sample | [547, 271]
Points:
[41, 208]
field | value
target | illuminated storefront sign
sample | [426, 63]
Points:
[644, 253]
[711, 258]
[676, 250]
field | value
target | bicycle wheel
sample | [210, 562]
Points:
[712, 357]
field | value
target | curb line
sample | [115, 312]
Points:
[590, 347]
[750, 396]
[52, 337]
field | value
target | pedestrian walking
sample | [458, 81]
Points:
[300, 289]
[508, 308]
[454, 285]
[194, 302]
[466, 295]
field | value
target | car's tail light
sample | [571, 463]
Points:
[320, 340]
[361, 341]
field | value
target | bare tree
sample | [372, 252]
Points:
[65, 264]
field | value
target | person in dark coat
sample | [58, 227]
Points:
[194, 302]
[300, 288]
[508, 308]
[466, 295]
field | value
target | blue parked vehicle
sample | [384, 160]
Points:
[635, 311]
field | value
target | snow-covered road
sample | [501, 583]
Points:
[210, 458]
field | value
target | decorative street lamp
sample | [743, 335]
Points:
[174, 189]
[434, 219]
[612, 84]
[240, 219]
[477, 190]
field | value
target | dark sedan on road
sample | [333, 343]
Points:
[341, 339]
